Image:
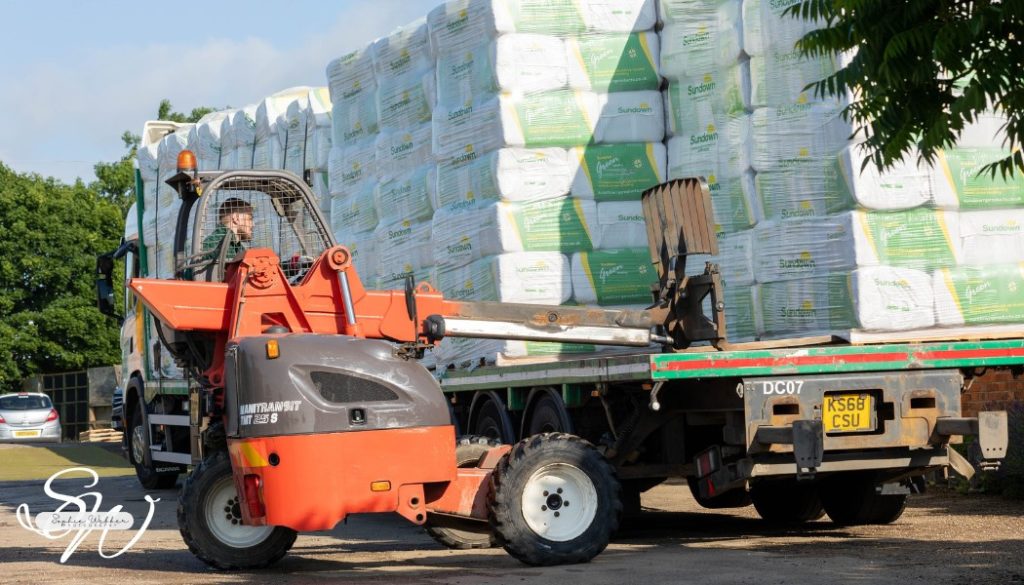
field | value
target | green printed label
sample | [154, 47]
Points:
[620, 277]
[712, 95]
[542, 348]
[914, 238]
[558, 17]
[617, 62]
[975, 190]
[729, 204]
[553, 119]
[987, 294]
[557, 225]
[620, 172]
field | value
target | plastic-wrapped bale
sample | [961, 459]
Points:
[406, 50]
[365, 259]
[558, 118]
[699, 37]
[690, 102]
[238, 135]
[617, 172]
[990, 236]
[919, 238]
[460, 24]
[401, 150]
[555, 225]
[394, 278]
[170, 146]
[406, 101]
[517, 277]
[348, 166]
[407, 195]
[719, 154]
[876, 298]
[620, 224]
[351, 74]
[742, 313]
[767, 27]
[735, 259]
[403, 245]
[902, 187]
[291, 135]
[957, 180]
[506, 174]
[779, 77]
[268, 149]
[524, 63]
[353, 210]
[613, 277]
[614, 62]
[979, 295]
[205, 139]
[353, 90]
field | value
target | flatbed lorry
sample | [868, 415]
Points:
[798, 428]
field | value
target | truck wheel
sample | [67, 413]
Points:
[468, 451]
[738, 498]
[548, 415]
[554, 500]
[138, 445]
[855, 500]
[210, 521]
[786, 501]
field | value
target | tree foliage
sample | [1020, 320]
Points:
[52, 233]
[922, 70]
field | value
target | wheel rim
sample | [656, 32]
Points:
[138, 444]
[223, 514]
[559, 502]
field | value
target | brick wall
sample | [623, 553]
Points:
[993, 389]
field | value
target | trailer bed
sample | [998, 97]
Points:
[753, 361]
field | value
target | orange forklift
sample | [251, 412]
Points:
[308, 403]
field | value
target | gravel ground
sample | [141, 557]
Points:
[943, 537]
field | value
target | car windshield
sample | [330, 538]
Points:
[20, 402]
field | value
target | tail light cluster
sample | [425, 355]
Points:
[52, 416]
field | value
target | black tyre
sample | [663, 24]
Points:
[738, 498]
[554, 500]
[210, 521]
[548, 415]
[854, 500]
[468, 451]
[138, 445]
[488, 422]
[786, 501]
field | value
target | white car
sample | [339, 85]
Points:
[28, 416]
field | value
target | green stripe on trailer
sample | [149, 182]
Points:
[837, 359]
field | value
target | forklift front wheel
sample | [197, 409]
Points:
[210, 521]
[555, 500]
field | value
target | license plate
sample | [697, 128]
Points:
[848, 413]
[34, 433]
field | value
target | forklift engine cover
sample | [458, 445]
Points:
[325, 384]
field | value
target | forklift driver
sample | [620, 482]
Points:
[235, 219]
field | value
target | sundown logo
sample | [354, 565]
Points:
[701, 36]
[454, 26]
[806, 309]
[458, 113]
[1009, 227]
[706, 86]
[804, 262]
[538, 266]
[641, 108]
[464, 245]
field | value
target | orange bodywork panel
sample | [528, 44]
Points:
[319, 479]
[257, 293]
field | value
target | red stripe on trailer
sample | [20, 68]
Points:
[952, 354]
[770, 362]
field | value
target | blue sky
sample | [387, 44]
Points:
[75, 74]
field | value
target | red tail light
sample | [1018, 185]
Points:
[253, 497]
[2, 420]
[52, 415]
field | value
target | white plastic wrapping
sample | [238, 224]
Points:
[400, 150]
[168, 150]
[555, 225]
[511, 174]
[237, 138]
[403, 245]
[405, 101]
[699, 37]
[205, 139]
[617, 172]
[407, 195]
[354, 211]
[517, 277]
[268, 149]
[406, 50]
[620, 224]
[690, 102]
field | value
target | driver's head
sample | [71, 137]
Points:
[236, 215]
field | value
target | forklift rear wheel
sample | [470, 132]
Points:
[138, 445]
[555, 500]
[854, 499]
[786, 501]
[468, 451]
[210, 521]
